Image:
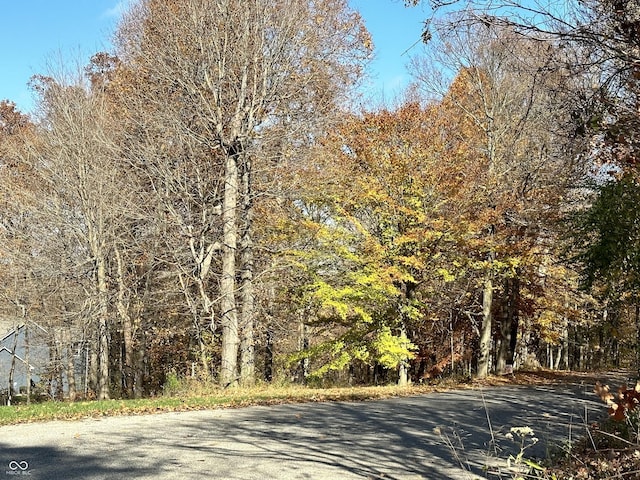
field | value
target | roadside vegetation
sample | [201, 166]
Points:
[181, 394]
[611, 448]
[200, 398]
[186, 394]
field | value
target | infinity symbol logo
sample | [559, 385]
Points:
[13, 465]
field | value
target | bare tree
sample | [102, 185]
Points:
[228, 71]
[76, 158]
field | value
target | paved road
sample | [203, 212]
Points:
[387, 439]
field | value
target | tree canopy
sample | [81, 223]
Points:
[213, 199]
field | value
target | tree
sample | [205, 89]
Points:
[17, 184]
[501, 104]
[608, 238]
[604, 247]
[229, 71]
[600, 42]
[76, 158]
[375, 203]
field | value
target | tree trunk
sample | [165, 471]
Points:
[127, 329]
[247, 346]
[229, 314]
[27, 360]
[60, 372]
[56, 390]
[485, 330]
[508, 326]
[128, 367]
[558, 358]
[12, 369]
[563, 354]
[268, 356]
[70, 367]
[91, 370]
[303, 344]
[247, 313]
[522, 356]
[141, 361]
[103, 332]
[403, 368]
[451, 343]
[205, 368]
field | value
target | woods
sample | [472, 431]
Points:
[213, 199]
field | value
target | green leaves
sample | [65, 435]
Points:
[387, 242]
[607, 237]
[391, 350]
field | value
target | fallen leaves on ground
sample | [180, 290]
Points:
[270, 395]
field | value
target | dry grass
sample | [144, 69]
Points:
[182, 395]
[199, 398]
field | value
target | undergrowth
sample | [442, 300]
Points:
[612, 447]
[609, 450]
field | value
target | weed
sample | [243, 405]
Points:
[172, 384]
[520, 465]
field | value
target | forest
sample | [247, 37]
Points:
[215, 199]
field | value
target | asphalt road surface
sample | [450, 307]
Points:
[402, 438]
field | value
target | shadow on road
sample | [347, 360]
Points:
[398, 438]
[449, 435]
[57, 463]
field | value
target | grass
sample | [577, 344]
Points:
[199, 399]
[185, 395]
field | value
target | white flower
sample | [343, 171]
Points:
[522, 431]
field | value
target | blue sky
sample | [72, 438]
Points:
[35, 33]
[395, 29]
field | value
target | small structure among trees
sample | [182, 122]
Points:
[24, 364]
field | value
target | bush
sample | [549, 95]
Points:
[172, 385]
